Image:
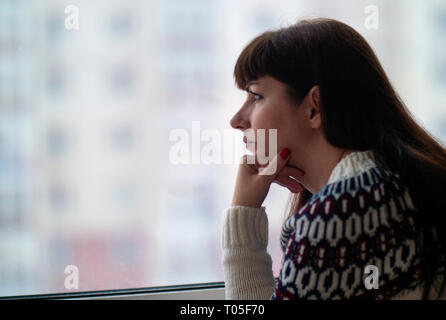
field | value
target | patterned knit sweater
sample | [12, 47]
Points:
[357, 219]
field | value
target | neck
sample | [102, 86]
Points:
[318, 167]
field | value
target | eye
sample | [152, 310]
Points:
[256, 96]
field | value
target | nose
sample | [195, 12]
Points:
[238, 121]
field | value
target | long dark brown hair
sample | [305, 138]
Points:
[360, 111]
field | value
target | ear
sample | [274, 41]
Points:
[314, 106]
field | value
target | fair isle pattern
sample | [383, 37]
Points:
[347, 225]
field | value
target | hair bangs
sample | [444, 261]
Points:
[252, 62]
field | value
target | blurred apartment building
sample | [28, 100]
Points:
[85, 118]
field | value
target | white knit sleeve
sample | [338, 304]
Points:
[246, 263]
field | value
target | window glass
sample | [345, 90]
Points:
[100, 100]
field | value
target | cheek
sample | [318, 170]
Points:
[269, 118]
[273, 141]
[264, 120]
[261, 117]
[290, 135]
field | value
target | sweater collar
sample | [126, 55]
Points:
[352, 164]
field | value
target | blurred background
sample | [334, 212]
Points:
[86, 115]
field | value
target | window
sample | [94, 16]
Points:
[86, 175]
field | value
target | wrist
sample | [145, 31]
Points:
[242, 203]
[245, 227]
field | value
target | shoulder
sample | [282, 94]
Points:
[357, 194]
[347, 225]
[366, 205]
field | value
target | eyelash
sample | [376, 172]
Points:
[255, 95]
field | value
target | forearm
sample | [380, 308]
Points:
[246, 263]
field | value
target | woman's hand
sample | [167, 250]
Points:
[253, 182]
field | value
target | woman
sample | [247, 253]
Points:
[367, 216]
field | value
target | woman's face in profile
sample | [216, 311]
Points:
[268, 106]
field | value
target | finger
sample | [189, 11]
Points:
[250, 162]
[276, 164]
[289, 183]
[260, 161]
[253, 161]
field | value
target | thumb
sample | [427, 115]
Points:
[278, 162]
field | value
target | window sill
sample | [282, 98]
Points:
[202, 291]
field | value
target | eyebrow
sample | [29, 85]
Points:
[250, 83]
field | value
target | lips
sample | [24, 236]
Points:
[245, 140]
